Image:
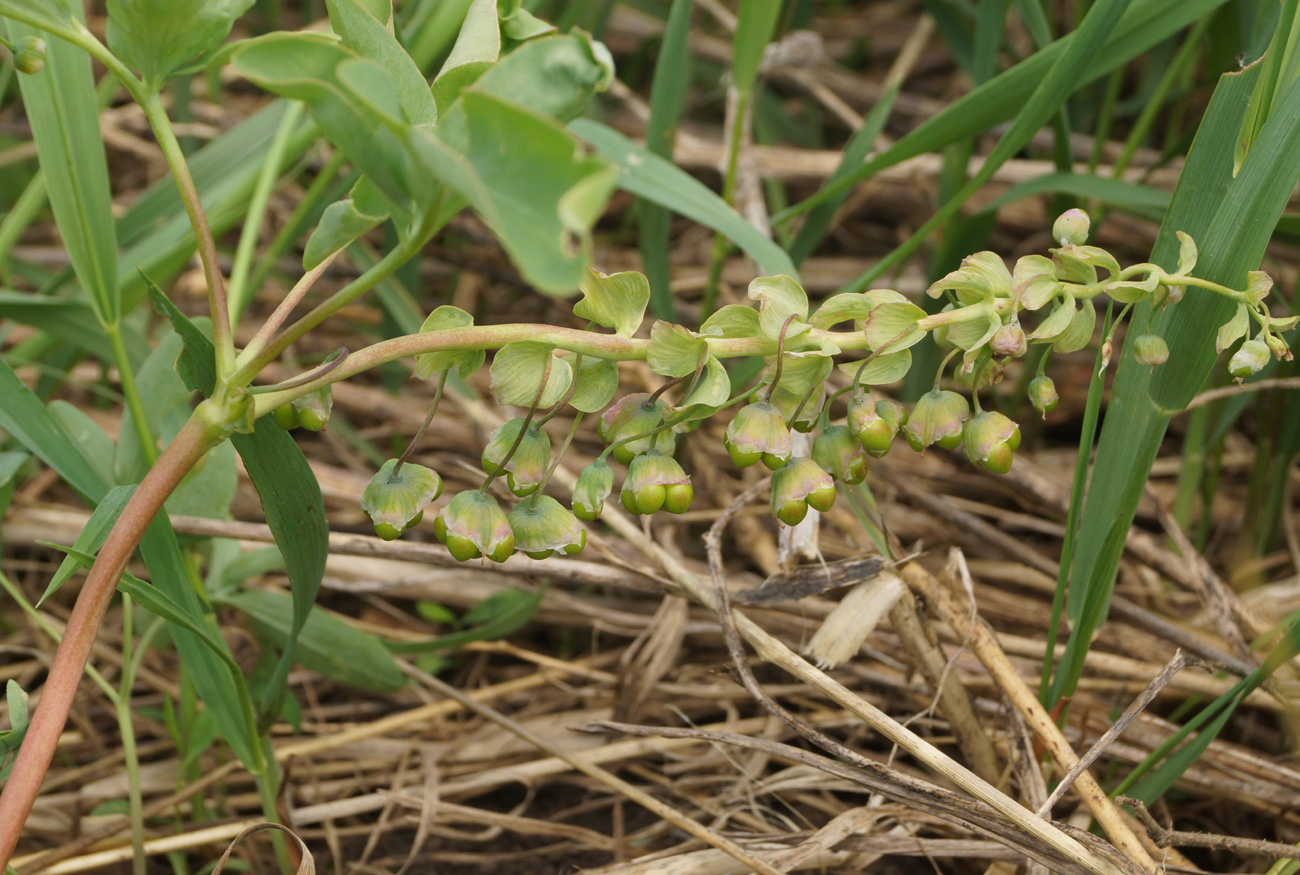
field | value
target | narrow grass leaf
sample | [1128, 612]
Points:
[91, 537]
[658, 180]
[497, 616]
[754, 28]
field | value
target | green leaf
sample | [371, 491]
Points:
[616, 301]
[327, 645]
[466, 362]
[53, 15]
[893, 325]
[477, 47]
[91, 537]
[499, 615]
[531, 183]
[209, 487]
[674, 351]
[91, 441]
[27, 420]
[754, 28]
[63, 112]
[597, 383]
[779, 298]
[65, 318]
[733, 320]
[658, 180]
[157, 37]
[888, 368]
[10, 463]
[369, 37]
[518, 370]
[341, 223]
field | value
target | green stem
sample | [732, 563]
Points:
[720, 243]
[126, 728]
[268, 790]
[239, 291]
[415, 441]
[206, 245]
[44, 625]
[523, 430]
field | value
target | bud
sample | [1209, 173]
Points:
[758, 432]
[29, 55]
[1150, 349]
[837, 450]
[1278, 347]
[396, 501]
[542, 526]
[1009, 340]
[991, 439]
[1071, 228]
[937, 418]
[1249, 360]
[656, 481]
[1042, 394]
[594, 485]
[313, 409]
[875, 423]
[633, 415]
[799, 485]
[474, 525]
[527, 467]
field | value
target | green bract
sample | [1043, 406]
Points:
[758, 433]
[656, 481]
[474, 525]
[395, 499]
[542, 526]
[799, 485]
[937, 418]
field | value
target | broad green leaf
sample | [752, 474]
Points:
[1233, 329]
[518, 370]
[555, 77]
[63, 112]
[675, 351]
[370, 37]
[209, 488]
[616, 301]
[882, 369]
[341, 223]
[733, 320]
[656, 179]
[779, 298]
[531, 183]
[157, 37]
[477, 48]
[597, 383]
[326, 645]
[891, 326]
[91, 537]
[466, 362]
[710, 393]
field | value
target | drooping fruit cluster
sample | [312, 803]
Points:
[992, 316]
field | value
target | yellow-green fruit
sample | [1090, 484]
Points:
[286, 416]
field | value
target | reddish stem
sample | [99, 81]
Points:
[51, 712]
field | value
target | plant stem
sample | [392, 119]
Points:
[282, 311]
[728, 192]
[200, 434]
[207, 247]
[125, 725]
[415, 441]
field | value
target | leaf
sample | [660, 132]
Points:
[530, 182]
[754, 28]
[365, 34]
[518, 370]
[91, 537]
[615, 301]
[156, 37]
[27, 420]
[892, 326]
[340, 224]
[70, 319]
[477, 47]
[94, 444]
[733, 320]
[327, 645]
[1233, 329]
[53, 15]
[499, 615]
[888, 368]
[597, 382]
[63, 113]
[710, 393]
[779, 298]
[466, 362]
[658, 180]
[674, 351]
[10, 463]
[209, 487]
